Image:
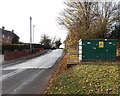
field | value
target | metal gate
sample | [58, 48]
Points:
[73, 54]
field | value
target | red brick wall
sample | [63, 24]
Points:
[37, 49]
[8, 55]
[6, 40]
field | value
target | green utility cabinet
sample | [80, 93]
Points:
[97, 49]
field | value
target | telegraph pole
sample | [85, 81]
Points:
[33, 32]
[30, 34]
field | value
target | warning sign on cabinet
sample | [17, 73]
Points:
[101, 44]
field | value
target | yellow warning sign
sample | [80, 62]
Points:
[101, 44]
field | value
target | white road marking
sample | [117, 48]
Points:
[11, 74]
[27, 81]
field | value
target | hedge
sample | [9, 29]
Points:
[13, 47]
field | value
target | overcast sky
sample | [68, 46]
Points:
[15, 15]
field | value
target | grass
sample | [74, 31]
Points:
[88, 79]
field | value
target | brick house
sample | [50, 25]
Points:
[7, 37]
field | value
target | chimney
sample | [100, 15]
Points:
[3, 28]
[12, 31]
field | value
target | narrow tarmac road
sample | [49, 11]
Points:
[32, 76]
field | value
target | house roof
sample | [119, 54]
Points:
[8, 33]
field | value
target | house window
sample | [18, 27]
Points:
[3, 35]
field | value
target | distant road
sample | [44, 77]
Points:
[31, 76]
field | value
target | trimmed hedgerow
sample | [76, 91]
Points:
[12, 47]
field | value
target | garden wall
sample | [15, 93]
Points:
[11, 55]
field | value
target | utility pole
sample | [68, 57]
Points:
[33, 32]
[30, 34]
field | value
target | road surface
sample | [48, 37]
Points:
[30, 77]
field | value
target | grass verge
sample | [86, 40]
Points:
[88, 79]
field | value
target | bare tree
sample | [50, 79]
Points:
[46, 41]
[87, 19]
